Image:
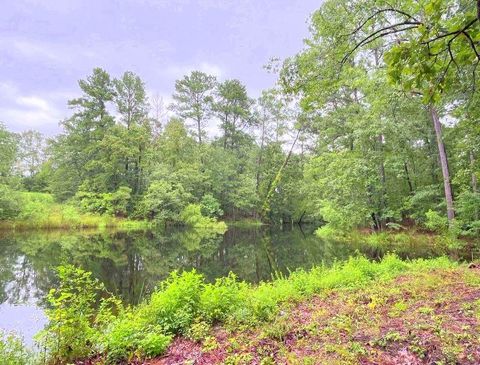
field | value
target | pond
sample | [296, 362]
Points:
[131, 263]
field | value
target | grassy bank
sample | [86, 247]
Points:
[410, 243]
[41, 211]
[82, 221]
[421, 316]
[186, 306]
[245, 223]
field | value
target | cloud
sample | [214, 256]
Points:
[176, 71]
[41, 51]
[22, 111]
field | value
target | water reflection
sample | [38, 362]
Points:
[130, 264]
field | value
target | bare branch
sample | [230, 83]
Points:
[378, 12]
[472, 43]
[455, 32]
[379, 34]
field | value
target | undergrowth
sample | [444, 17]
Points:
[13, 351]
[185, 304]
[40, 211]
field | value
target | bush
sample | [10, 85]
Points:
[35, 206]
[198, 331]
[153, 344]
[468, 209]
[115, 203]
[71, 331]
[9, 203]
[220, 299]
[175, 306]
[423, 200]
[435, 222]
[163, 201]
[13, 351]
[128, 339]
[120, 201]
[186, 304]
[339, 219]
[210, 206]
[192, 216]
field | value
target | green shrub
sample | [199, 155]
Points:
[71, 331]
[163, 201]
[435, 222]
[115, 203]
[210, 206]
[120, 200]
[9, 203]
[222, 298]
[186, 304]
[176, 304]
[198, 331]
[468, 209]
[35, 206]
[192, 216]
[13, 351]
[153, 344]
[424, 199]
[127, 339]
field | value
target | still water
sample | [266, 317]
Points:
[131, 263]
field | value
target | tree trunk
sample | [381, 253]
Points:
[199, 128]
[273, 185]
[474, 180]
[443, 163]
[474, 177]
[260, 156]
[407, 175]
[383, 183]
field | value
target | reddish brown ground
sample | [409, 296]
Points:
[425, 318]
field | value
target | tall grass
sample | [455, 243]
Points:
[40, 211]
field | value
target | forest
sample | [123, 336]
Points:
[359, 132]
[371, 129]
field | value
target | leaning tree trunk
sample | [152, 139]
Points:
[273, 185]
[443, 163]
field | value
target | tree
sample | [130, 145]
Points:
[131, 99]
[31, 152]
[132, 104]
[164, 201]
[159, 115]
[432, 42]
[350, 106]
[233, 108]
[77, 153]
[194, 100]
[8, 152]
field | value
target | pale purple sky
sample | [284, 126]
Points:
[46, 46]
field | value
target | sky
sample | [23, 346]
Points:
[46, 46]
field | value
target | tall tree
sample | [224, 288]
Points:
[233, 108]
[132, 105]
[131, 99]
[432, 43]
[8, 152]
[194, 100]
[77, 153]
[31, 152]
